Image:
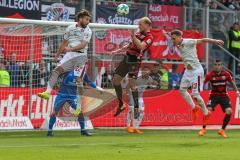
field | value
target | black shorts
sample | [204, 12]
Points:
[224, 102]
[129, 65]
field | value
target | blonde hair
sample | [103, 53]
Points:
[146, 20]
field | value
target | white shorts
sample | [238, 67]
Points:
[194, 79]
[74, 61]
[131, 101]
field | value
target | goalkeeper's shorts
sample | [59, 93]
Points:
[62, 99]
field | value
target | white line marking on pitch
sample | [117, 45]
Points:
[68, 145]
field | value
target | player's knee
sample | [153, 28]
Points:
[116, 79]
[228, 111]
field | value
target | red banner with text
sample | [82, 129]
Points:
[163, 15]
[161, 108]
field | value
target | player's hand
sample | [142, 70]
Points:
[219, 42]
[67, 49]
[133, 32]
[114, 52]
[56, 58]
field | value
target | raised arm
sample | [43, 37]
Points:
[124, 48]
[209, 40]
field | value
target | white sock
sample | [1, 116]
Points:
[79, 95]
[49, 88]
[138, 121]
[129, 115]
[79, 101]
[187, 98]
[202, 104]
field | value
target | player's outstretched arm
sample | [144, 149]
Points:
[209, 40]
[124, 48]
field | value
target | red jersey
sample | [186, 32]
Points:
[218, 82]
[147, 38]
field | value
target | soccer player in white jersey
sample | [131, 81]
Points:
[142, 82]
[74, 46]
[194, 74]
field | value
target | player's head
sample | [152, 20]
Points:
[236, 26]
[83, 18]
[176, 36]
[218, 65]
[144, 24]
[145, 72]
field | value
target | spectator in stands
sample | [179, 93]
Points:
[2, 58]
[155, 74]
[25, 74]
[230, 4]
[173, 2]
[40, 75]
[186, 3]
[158, 2]
[4, 76]
[174, 77]
[234, 44]
[198, 3]
[106, 80]
[14, 70]
[236, 3]
[213, 5]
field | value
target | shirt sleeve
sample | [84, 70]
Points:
[190, 42]
[87, 35]
[66, 34]
[229, 77]
[148, 40]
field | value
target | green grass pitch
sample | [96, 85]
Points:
[115, 145]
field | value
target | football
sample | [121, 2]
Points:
[122, 9]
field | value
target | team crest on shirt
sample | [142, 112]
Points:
[142, 36]
[149, 41]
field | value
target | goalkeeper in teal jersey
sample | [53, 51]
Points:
[67, 94]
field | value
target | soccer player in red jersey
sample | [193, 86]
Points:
[218, 80]
[130, 65]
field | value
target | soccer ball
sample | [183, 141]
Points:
[122, 9]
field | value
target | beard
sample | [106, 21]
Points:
[83, 25]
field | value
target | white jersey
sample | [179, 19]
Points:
[75, 35]
[189, 53]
